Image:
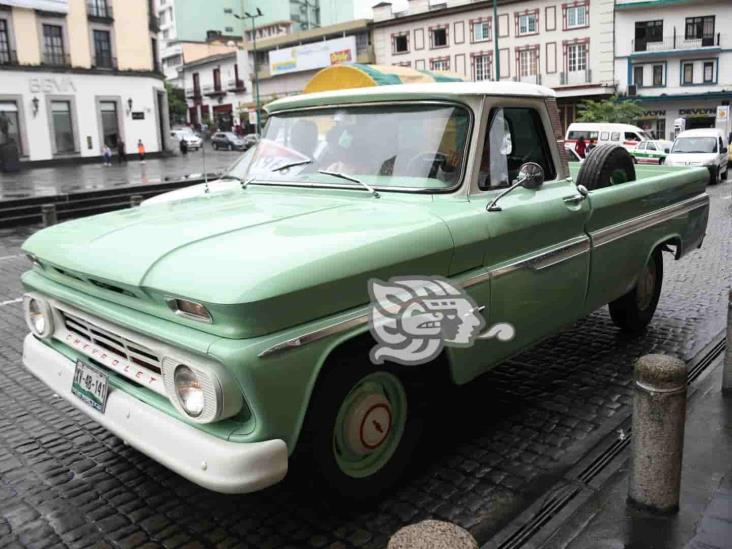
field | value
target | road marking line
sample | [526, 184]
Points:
[10, 302]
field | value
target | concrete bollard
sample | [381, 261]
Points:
[432, 534]
[659, 413]
[727, 374]
[135, 200]
[48, 214]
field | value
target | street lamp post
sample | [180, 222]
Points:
[252, 17]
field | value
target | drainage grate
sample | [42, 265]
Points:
[560, 496]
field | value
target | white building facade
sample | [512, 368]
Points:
[676, 59]
[565, 45]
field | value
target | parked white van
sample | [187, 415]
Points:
[703, 147]
[602, 133]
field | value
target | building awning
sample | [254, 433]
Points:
[710, 96]
[357, 75]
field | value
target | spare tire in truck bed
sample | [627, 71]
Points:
[606, 165]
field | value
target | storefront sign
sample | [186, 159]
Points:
[58, 6]
[654, 114]
[699, 111]
[722, 114]
[313, 56]
[138, 115]
[51, 84]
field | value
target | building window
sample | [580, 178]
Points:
[481, 31]
[529, 62]
[53, 45]
[646, 32]
[63, 130]
[9, 118]
[688, 73]
[229, 29]
[196, 85]
[400, 43]
[700, 28]
[658, 75]
[708, 71]
[577, 57]
[438, 37]
[577, 16]
[5, 52]
[528, 24]
[440, 64]
[482, 67]
[102, 49]
[638, 75]
[98, 8]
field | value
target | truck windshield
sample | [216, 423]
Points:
[695, 145]
[414, 147]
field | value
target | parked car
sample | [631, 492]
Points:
[193, 141]
[223, 331]
[705, 147]
[251, 139]
[228, 141]
[653, 151]
[602, 133]
[572, 155]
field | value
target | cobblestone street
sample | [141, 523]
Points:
[492, 449]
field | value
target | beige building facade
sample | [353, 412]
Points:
[78, 74]
[566, 45]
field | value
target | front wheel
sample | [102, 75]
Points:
[361, 429]
[715, 176]
[633, 311]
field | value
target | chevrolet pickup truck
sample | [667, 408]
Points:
[223, 330]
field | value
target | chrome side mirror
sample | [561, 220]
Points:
[530, 176]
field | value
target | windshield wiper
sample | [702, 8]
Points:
[292, 165]
[243, 182]
[347, 177]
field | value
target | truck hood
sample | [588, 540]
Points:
[691, 159]
[263, 258]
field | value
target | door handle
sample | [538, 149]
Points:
[576, 199]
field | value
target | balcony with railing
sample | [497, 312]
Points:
[97, 10]
[154, 23]
[105, 62]
[55, 59]
[8, 57]
[676, 43]
[528, 78]
[212, 90]
[573, 78]
[236, 85]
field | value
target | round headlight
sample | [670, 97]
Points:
[189, 390]
[38, 315]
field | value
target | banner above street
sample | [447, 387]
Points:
[313, 56]
[59, 6]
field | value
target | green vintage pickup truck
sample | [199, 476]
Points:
[223, 330]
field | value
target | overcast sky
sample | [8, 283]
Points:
[362, 8]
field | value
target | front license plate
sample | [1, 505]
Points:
[90, 385]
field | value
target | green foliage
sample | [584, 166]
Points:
[176, 104]
[614, 109]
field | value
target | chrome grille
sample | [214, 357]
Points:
[132, 351]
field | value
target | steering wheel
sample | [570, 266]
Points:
[430, 159]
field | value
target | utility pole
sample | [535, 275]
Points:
[252, 17]
[496, 54]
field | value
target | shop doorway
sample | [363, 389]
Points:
[110, 123]
[698, 122]
[223, 120]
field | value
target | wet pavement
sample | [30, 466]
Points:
[491, 450]
[86, 177]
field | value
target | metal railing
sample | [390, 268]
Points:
[56, 59]
[212, 89]
[105, 62]
[99, 10]
[236, 85]
[154, 23]
[530, 79]
[676, 42]
[8, 57]
[575, 77]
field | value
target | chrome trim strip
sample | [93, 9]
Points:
[542, 260]
[612, 233]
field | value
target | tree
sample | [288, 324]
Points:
[613, 109]
[177, 106]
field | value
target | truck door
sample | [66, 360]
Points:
[537, 251]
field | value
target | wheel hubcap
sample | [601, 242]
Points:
[646, 285]
[369, 424]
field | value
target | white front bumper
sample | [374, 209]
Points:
[211, 462]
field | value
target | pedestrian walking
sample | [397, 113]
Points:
[183, 146]
[580, 147]
[141, 150]
[107, 155]
[121, 154]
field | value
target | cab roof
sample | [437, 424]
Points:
[399, 92]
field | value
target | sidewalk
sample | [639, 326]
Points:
[86, 177]
[704, 520]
